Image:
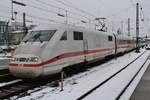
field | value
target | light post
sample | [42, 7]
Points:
[137, 28]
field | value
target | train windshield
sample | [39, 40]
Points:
[35, 36]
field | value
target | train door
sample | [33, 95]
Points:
[85, 49]
[115, 44]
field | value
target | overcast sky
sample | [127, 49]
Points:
[114, 10]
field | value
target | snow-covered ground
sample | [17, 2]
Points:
[111, 89]
[79, 84]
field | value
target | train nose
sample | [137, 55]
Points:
[26, 67]
[24, 72]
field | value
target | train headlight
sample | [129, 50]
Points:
[13, 59]
[30, 59]
[34, 59]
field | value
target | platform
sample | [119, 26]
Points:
[142, 91]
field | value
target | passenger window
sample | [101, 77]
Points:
[109, 38]
[78, 35]
[64, 36]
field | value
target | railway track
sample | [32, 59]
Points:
[5, 76]
[12, 89]
[20, 88]
[109, 78]
[4, 71]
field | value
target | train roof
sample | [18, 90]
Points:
[46, 27]
[68, 26]
[77, 28]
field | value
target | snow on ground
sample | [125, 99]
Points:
[78, 84]
[132, 87]
[117, 83]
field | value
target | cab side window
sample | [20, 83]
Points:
[110, 38]
[78, 35]
[64, 36]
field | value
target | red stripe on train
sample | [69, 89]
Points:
[65, 55]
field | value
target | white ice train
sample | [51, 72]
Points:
[46, 50]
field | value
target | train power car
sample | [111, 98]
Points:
[46, 50]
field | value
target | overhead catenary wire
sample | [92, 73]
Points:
[50, 11]
[132, 2]
[29, 15]
[42, 18]
[143, 7]
[4, 6]
[76, 8]
[45, 19]
[70, 13]
[48, 4]
[5, 11]
[126, 9]
[29, 5]
[143, 14]
[120, 12]
[145, 22]
[40, 8]
[37, 17]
